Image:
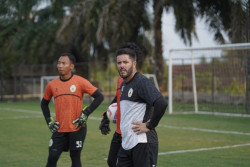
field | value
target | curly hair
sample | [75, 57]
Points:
[131, 49]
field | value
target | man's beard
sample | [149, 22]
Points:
[129, 72]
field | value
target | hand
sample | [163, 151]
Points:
[53, 125]
[81, 121]
[104, 126]
[139, 127]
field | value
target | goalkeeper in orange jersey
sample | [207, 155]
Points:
[69, 127]
[104, 127]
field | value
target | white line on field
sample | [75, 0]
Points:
[204, 130]
[32, 112]
[99, 118]
[165, 126]
[22, 110]
[223, 114]
[203, 149]
[212, 113]
[95, 118]
[20, 117]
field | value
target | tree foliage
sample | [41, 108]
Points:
[28, 31]
[37, 31]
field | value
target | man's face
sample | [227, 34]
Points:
[64, 66]
[125, 66]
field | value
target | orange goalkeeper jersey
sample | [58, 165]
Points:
[68, 98]
[118, 94]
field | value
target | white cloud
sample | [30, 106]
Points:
[171, 40]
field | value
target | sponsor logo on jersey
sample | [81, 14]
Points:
[130, 92]
[72, 88]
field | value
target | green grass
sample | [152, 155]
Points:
[209, 107]
[24, 139]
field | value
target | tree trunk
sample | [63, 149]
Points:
[159, 68]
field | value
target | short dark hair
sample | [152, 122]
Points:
[70, 56]
[131, 49]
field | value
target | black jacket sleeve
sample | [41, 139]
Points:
[160, 106]
[114, 100]
[98, 98]
[45, 109]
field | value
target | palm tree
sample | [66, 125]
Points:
[77, 32]
[124, 14]
[240, 22]
[216, 13]
[92, 30]
[27, 30]
[87, 24]
[124, 21]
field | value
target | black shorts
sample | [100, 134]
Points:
[64, 141]
[142, 155]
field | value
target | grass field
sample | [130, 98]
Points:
[189, 140]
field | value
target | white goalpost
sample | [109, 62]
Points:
[209, 59]
[152, 77]
[44, 80]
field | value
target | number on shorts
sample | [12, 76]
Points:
[78, 144]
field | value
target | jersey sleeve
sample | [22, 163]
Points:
[87, 87]
[48, 93]
[147, 91]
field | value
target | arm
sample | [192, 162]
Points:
[81, 121]
[53, 125]
[45, 109]
[104, 126]
[148, 92]
[160, 106]
[98, 98]
[114, 100]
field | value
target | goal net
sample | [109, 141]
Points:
[44, 80]
[210, 79]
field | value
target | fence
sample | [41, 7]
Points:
[25, 84]
[214, 78]
[222, 80]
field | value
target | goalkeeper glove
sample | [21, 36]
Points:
[82, 120]
[104, 126]
[53, 125]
